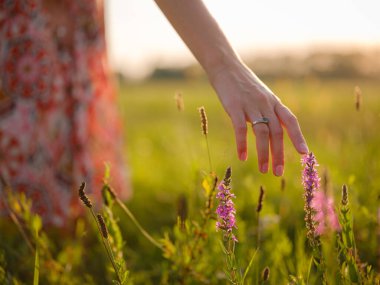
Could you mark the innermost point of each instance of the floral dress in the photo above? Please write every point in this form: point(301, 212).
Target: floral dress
point(58, 115)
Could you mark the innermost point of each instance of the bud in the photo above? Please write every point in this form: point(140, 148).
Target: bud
point(344, 195)
point(203, 115)
point(265, 274)
point(83, 195)
point(179, 101)
point(102, 224)
point(260, 202)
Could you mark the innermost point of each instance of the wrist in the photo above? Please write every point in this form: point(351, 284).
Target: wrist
point(220, 61)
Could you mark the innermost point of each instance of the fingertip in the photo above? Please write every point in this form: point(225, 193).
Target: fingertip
point(303, 148)
point(279, 170)
point(264, 168)
point(243, 155)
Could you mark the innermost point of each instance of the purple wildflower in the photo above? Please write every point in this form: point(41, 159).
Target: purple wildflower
point(325, 215)
point(310, 178)
point(226, 208)
point(310, 182)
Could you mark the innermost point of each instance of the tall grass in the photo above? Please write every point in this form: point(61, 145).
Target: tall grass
point(341, 136)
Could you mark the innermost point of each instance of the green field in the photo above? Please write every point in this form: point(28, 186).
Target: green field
point(167, 157)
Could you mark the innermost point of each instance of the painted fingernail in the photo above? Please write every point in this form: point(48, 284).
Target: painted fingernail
point(243, 156)
point(279, 170)
point(264, 168)
point(303, 148)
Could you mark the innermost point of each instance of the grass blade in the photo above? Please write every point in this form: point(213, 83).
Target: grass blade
point(249, 266)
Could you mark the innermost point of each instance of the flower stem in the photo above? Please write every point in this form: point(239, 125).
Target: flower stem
point(137, 224)
point(107, 247)
point(209, 154)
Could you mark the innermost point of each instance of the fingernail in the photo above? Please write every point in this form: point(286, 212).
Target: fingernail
point(279, 170)
point(303, 148)
point(243, 156)
point(264, 168)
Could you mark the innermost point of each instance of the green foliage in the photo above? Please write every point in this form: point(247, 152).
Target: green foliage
point(187, 249)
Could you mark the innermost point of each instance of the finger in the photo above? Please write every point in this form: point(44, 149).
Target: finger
point(261, 132)
point(240, 128)
point(292, 127)
point(276, 145)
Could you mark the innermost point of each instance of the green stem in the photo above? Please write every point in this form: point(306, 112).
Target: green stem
point(309, 269)
point(36, 263)
point(209, 154)
point(137, 224)
point(107, 247)
point(231, 260)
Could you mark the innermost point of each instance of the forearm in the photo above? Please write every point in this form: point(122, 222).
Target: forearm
point(200, 32)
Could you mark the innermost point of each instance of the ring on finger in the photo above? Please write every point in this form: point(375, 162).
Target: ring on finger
point(262, 120)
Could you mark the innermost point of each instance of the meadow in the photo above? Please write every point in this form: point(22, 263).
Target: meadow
point(170, 175)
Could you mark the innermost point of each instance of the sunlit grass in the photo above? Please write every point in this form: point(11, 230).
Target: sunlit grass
point(168, 159)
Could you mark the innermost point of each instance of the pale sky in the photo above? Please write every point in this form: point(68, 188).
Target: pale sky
point(139, 36)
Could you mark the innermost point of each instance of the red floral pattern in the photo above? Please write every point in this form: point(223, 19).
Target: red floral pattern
point(58, 118)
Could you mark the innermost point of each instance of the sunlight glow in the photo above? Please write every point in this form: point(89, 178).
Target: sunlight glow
point(139, 36)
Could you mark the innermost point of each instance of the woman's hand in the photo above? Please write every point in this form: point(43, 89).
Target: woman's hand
point(243, 95)
point(246, 99)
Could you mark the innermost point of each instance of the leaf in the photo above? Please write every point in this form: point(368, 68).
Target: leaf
point(168, 247)
point(223, 247)
point(36, 264)
point(207, 185)
point(249, 266)
point(353, 272)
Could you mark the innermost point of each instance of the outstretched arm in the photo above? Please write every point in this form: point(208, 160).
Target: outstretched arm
point(243, 95)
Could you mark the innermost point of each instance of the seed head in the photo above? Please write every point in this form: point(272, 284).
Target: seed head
point(344, 195)
point(265, 274)
point(202, 113)
point(102, 224)
point(182, 210)
point(83, 196)
point(179, 101)
point(260, 202)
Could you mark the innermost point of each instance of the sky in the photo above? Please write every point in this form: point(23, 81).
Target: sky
point(139, 36)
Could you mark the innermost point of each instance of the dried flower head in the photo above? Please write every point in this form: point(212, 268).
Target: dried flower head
point(265, 274)
point(226, 208)
point(202, 113)
point(260, 201)
point(102, 224)
point(344, 195)
point(358, 97)
point(182, 210)
point(83, 195)
point(179, 101)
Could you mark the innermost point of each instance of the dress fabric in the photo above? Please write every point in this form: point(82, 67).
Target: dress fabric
point(58, 114)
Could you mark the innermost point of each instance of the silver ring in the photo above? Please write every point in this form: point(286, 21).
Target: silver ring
point(263, 120)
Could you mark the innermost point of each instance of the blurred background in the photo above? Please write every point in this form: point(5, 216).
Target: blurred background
point(324, 38)
point(322, 58)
